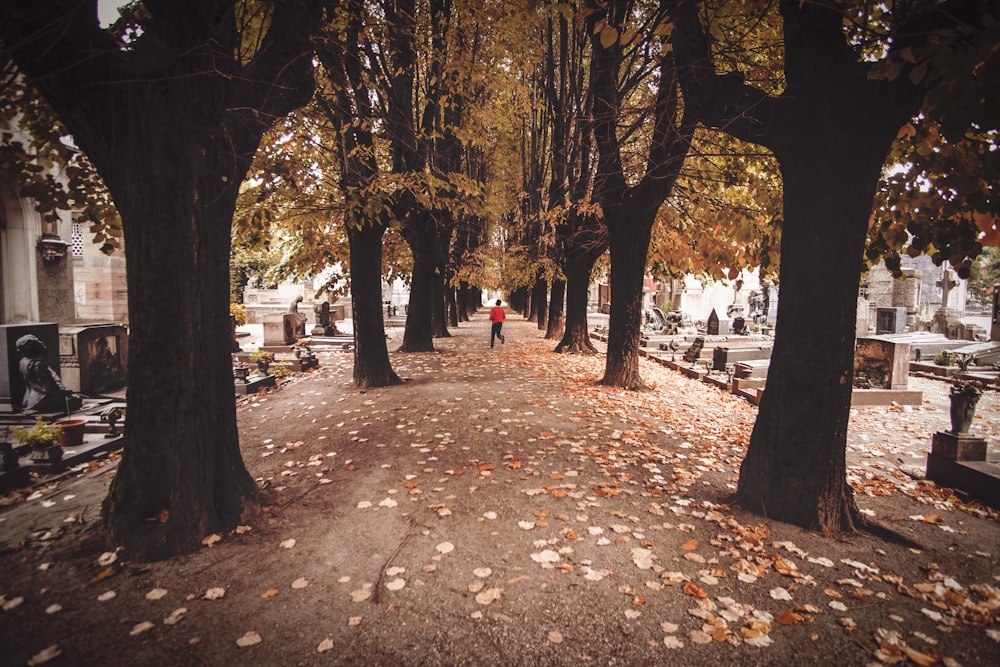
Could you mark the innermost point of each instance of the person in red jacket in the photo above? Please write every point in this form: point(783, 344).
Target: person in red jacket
point(497, 317)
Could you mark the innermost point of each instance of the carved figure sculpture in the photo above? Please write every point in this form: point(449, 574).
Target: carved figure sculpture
point(44, 390)
point(300, 319)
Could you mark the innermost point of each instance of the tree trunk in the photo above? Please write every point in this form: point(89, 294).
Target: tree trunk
point(795, 468)
point(540, 297)
point(556, 310)
point(181, 475)
point(628, 266)
point(439, 303)
point(462, 299)
point(418, 333)
point(518, 300)
point(576, 338)
point(371, 354)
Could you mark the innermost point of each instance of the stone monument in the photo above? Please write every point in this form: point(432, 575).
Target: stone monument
point(44, 390)
point(324, 322)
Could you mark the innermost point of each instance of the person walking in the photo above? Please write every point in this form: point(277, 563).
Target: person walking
point(497, 317)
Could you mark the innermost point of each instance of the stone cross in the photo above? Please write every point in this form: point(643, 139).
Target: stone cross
point(946, 283)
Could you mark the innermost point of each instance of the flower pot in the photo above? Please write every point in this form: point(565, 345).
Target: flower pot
point(70, 431)
point(963, 409)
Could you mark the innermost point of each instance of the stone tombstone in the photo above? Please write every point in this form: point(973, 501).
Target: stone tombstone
point(692, 353)
point(94, 357)
point(324, 324)
point(712, 326)
point(279, 329)
point(881, 363)
point(890, 320)
point(11, 385)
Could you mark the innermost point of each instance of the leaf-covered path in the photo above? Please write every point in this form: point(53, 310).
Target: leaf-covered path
point(502, 508)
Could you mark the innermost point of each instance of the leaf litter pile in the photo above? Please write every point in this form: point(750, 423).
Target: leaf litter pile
point(502, 508)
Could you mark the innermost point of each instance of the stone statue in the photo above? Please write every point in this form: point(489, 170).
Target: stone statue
point(44, 390)
point(300, 319)
point(324, 324)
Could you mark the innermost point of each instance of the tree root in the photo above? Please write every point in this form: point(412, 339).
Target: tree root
point(864, 525)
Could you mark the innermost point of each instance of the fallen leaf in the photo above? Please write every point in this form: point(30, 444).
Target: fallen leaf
point(361, 594)
point(690, 545)
point(249, 639)
point(269, 593)
point(354, 620)
point(216, 593)
point(53, 609)
point(211, 539)
point(102, 575)
point(301, 582)
point(780, 594)
point(396, 584)
point(45, 655)
point(672, 642)
point(325, 645)
point(545, 556)
point(488, 596)
point(175, 616)
point(445, 548)
point(632, 613)
point(669, 628)
point(106, 595)
point(107, 558)
point(692, 589)
point(156, 594)
point(287, 544)
point(482, 572)
point(139, 628)
point(555, 637)
point(699, 637)
point(789, 617)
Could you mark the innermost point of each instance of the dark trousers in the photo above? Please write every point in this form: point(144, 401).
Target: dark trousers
point(495, 332)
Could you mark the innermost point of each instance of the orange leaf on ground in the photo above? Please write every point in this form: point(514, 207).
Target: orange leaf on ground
point(690, 545)
point(269, 593)
point(690, 588)
point(789, 617)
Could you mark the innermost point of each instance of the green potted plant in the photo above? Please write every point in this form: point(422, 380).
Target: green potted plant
point(263, 359)
point(43, 440)
point(964, 395)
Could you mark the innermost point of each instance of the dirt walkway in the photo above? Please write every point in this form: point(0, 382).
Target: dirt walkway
point(500, 508)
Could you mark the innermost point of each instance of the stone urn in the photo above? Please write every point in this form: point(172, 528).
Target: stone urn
point(964, 397)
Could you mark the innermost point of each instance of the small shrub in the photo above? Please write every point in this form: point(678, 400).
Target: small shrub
point(240, 312)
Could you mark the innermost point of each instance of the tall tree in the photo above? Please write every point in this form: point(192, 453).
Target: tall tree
point(830, 129)
point(350, 110)
point(171, 118)
point(629, 211)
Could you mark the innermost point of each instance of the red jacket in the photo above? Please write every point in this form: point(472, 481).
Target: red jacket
point(497, 314)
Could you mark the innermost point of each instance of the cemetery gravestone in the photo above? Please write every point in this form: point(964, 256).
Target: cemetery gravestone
point(11, 384)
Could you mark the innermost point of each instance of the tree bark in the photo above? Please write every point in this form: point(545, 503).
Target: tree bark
point(539, 300)
point(628, 266)
point(556, 310)
point(371, 354)
point(418, 333)
point(172, 127)
point(576, 338)
point(830, 131)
